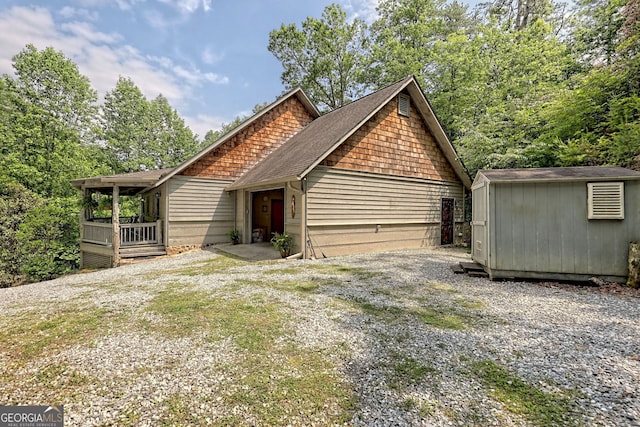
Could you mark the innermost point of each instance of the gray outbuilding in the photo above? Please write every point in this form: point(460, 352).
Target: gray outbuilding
point(555, 223)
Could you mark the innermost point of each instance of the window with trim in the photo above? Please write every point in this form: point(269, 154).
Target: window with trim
point(404, 104)
point(605, 200)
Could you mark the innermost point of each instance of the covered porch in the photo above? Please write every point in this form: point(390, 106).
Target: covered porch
point(121, 217)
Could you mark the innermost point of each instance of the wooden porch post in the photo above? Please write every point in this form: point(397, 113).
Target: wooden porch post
point(115, 220)
point(83, 215)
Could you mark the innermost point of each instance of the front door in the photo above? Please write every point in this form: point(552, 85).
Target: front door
point(446, 227)
point(277, 216)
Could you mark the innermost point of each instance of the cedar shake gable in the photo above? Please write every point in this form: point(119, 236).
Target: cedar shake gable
point(325, 135)
point(253, 140)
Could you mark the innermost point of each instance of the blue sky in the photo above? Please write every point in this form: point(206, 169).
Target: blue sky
point(209, 58)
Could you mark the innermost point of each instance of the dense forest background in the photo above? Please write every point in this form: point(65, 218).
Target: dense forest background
point(515, 83)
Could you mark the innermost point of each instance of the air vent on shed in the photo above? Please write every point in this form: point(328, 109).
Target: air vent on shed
point(404, 103)
point(605, 200)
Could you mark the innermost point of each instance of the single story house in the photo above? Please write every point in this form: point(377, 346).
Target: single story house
point(376, 174)
point(569, 223)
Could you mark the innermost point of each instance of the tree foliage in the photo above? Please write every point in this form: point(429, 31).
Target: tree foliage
point(515, 83)
point(141, 134)
point(52, 132)
point(325, 56)
point(51, 109)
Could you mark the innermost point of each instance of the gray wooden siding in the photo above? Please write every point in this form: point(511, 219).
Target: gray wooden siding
point(200, 211)
point(543, 227)
point(351, 212)
point(293, 223)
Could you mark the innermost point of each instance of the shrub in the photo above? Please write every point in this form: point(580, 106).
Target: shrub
point(15, 203)
point(48, 240)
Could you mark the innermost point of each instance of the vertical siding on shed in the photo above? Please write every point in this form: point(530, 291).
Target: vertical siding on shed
point(543, 227)
point(351, 212)
point(200, 211)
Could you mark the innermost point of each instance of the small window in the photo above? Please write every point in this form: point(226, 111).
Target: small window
point(605, 200)
point(404, 102)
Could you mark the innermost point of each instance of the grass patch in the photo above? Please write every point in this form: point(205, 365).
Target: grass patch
point(442, 287)
point(303, 286)
point(470, 304)
point(51, 329)
point(519, 397)
point(185, 312)
point(379, 310)
point(288, 386)
point(274, 381)
point(410, 371)
point(359, 273)
point(217, 265)
point(441, 318)
point(438, 317)
point(220, 264)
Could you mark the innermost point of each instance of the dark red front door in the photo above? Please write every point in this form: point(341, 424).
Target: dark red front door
point(446, 227)
point(277, 216)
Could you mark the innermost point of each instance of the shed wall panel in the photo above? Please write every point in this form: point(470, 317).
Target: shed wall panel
point(543, 227)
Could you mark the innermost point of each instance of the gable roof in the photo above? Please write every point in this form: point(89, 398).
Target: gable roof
point(577, 173)
point(297, 92)
point(305, 150)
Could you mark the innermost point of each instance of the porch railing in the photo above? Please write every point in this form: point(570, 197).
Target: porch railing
point(146, 233)
point(97, 232)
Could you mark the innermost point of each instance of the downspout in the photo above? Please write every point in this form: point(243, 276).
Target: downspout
point(303, 186)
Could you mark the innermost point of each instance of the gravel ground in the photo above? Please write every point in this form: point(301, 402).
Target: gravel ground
point(557, 338)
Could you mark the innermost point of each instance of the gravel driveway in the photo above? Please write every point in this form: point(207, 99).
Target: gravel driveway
point(398, 330)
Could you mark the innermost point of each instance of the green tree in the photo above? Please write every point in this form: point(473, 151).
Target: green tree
point(142, 134)
point(596, 120)
point(596, 30)
point(125, 124)
point(325, 57)
point(171, 141)
point(51, 111)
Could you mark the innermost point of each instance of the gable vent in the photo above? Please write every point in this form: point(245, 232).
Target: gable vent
point(605, 200)
point(404, 103)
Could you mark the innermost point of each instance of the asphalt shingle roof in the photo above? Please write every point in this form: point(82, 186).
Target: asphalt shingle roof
point(566, 173)
point(312, 144)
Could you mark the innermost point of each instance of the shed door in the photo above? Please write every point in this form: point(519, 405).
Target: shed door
point(446, 226)
point(479, 225)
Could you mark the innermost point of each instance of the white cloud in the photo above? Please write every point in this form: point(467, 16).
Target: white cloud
point(85, 31)
point(209, 57)
point(362, 9)
point(192, 74)
point(188, 6)
point(71, 12)
point(202, 123)
point(102, 57)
